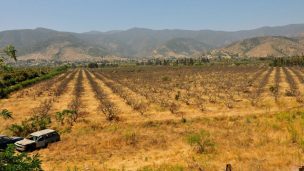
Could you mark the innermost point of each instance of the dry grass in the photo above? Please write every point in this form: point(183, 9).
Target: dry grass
point(273, 142)
point(262, 137)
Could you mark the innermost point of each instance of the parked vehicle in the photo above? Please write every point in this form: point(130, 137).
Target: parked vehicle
point(36, 140)
point(5, 140)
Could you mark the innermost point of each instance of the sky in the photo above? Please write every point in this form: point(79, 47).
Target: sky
point(106, 15)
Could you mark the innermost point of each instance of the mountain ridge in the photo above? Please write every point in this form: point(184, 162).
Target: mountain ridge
point(134, 42)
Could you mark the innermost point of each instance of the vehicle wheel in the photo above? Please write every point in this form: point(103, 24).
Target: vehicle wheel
point(31, 149)
point(45, 146)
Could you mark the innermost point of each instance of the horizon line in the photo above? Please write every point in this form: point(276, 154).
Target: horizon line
point(136, 27)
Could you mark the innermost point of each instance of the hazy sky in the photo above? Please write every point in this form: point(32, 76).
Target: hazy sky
point(104, 15)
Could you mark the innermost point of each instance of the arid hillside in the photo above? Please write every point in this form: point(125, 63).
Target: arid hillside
point(58, 51)
point(181, 47)
point(275, 46)
point(49, 44)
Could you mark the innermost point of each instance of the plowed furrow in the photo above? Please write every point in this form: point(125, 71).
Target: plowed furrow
point(106, 106)
point(262, 84)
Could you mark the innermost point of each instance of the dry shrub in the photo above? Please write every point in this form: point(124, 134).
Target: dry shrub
point(140, 107)
point(174, 108)
point(110, 111)
point(131, 138)
point(158, 141)
point(291, 93)
point(299, 99)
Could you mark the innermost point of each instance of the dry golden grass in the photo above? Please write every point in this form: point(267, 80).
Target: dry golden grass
point(269, 136)
point(273, 142)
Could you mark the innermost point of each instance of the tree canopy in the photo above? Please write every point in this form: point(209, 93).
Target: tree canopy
point(9, 160)
point(8, 52)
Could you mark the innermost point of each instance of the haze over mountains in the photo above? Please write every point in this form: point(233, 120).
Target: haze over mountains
point(49, 44)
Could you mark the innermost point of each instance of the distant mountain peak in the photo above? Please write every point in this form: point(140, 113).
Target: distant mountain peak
point(93, 32)
point(43, 29)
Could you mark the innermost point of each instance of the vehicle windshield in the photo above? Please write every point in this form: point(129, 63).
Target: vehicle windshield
point(32, 138)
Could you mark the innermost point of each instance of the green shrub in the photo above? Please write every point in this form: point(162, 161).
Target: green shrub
point(194, 139)
point(35, 123)
point(6, 114)
point(11, 161)
point(66, 116)
point(201, 142)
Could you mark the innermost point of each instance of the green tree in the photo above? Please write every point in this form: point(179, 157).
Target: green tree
point(11, 161)
point(93, 65)
point(8, 52)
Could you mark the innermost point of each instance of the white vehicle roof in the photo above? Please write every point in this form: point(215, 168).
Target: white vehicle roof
point(42, 132)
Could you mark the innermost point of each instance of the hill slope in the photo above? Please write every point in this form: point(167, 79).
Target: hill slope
point(266, 46)
point(181, 47)
point(49, 44)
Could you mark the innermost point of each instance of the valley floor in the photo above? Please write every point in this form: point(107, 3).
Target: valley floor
point(171, 118)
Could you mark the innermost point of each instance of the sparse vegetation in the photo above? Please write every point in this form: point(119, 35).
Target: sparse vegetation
point(192, 115)
point(106, 106)
point(39, 120)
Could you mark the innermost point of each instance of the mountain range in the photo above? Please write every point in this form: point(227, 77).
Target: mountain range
point(42, 43)
point(267, 46)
